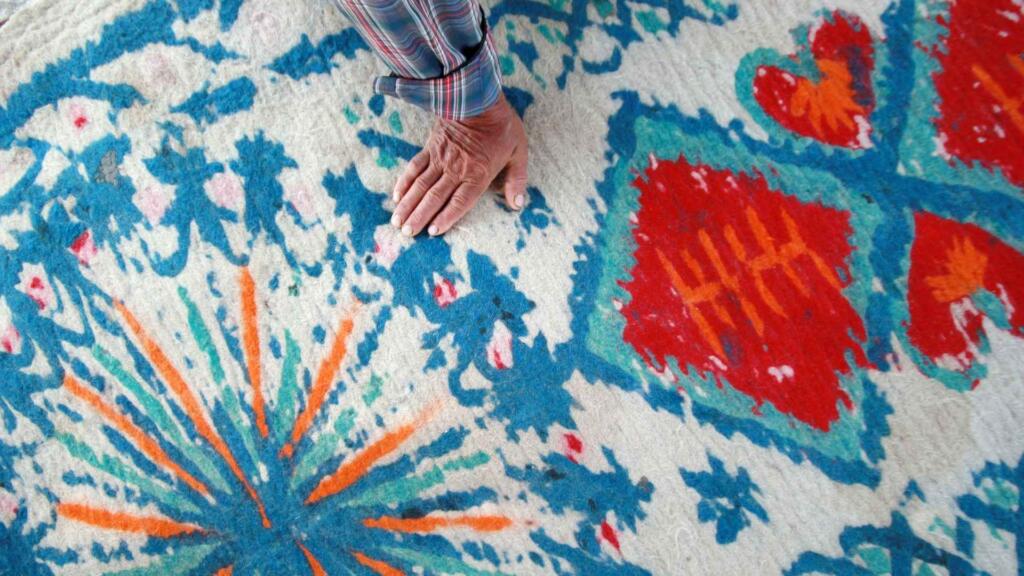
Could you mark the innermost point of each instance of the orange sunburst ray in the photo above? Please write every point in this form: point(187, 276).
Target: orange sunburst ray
point(322, 385)
point(434, 523)
point(153, 526)
point(379, 567)
point(225, 571)
point(314, 564)
point(251, 345)
point(146, 444)
point(352, 469)
point(189, 402)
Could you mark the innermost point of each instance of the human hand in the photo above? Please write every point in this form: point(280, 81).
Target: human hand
point(459, 162)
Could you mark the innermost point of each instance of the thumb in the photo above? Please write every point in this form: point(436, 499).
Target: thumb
point(515, 179)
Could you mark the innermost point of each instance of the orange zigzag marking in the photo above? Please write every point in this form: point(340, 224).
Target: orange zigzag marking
point(434, 523)
point(225, 571)
point(152, 526)
point(142, 441)
point(189, 402)
point(321, 386)
point(251, 344)
point(380, 567)
point(314, 564)
point(352, 469)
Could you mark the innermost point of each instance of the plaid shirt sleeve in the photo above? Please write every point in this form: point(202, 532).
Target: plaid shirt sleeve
point(439, 52)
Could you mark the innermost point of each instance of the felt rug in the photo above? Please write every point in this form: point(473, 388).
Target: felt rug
point(763, 312)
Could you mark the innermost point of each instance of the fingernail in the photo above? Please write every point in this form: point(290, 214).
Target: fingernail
point(395, 220)
point(394, 196)
point(520, 201)
point(432, 230)
point(407, 230)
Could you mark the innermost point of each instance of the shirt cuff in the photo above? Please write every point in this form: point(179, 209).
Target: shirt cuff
point(465, 92)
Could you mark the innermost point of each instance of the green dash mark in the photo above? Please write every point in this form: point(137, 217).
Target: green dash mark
point(155, 411)
point(238, 419)
point(401, 490)
point(124, 472)
point(406, 489)
point(182, 561)
point(350, 115)
point(284, 414)
point(386, 160)
point(373, 389)
point(395, 121)
point(650, 21)
point(438, 564)
point(467, 462)
point(324, 447)
point(508, 65)
point(875, 559)
point(201, 334)
point(1001, 495)
point(604, 7)
point(546, 33)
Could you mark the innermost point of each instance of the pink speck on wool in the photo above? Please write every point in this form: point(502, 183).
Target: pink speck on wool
point(84, 248)
point(499, 350)
point(153, 203)
point(226, 191)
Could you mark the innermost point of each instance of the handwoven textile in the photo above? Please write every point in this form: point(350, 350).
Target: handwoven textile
point(763, 312)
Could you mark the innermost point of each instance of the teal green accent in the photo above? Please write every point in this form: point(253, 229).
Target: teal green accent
point(373, 390)
point(155, 411)
point(558, 4)
point(991, 306)
point(438, 564)
point(1002, 495)
point(395, 121)
point(942, 526)
point(405, 489)
point(467, 462)
point(202, 336)
point(650, 21)
point(925, 570)
point(401, 490)
point(323, 449)
point(183, 561)
point(508, 65)
point(546, 33)
point(875, 559)
point(386, 160)
point(604, 7)
point(350, 115)
point(561, 36)
point(238, 420)
point(284, 413)
point(126, 473)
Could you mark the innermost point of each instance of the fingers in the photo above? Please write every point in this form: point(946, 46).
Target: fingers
point(412, 198)
point(515, 179)
point(415, 167)
point(462, 200)
point(430, 205)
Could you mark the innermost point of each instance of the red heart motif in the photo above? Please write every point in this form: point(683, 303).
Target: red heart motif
point(834, 108)
point(980, 86)
point(951, 263)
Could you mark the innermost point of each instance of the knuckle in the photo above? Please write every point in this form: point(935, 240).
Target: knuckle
point(459, 202)
point(438, 193)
